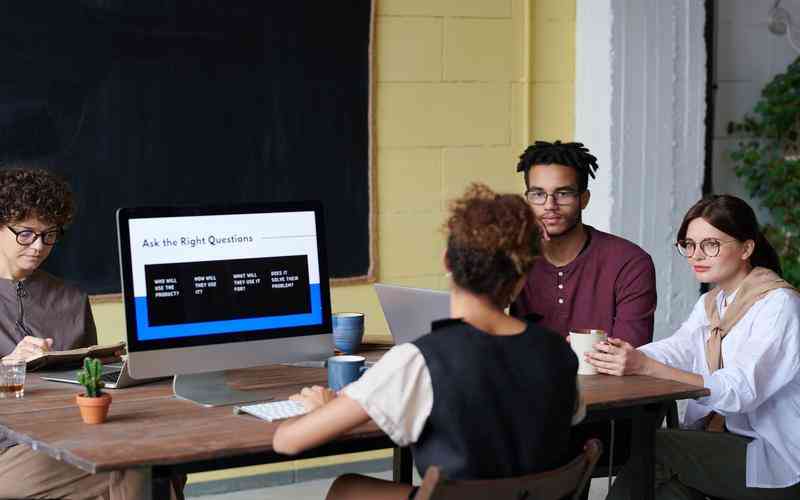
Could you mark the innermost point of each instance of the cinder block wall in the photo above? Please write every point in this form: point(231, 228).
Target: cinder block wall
point(462, 87)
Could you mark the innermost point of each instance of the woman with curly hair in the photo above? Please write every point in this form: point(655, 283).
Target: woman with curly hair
point(40, 312)
point(484, 395)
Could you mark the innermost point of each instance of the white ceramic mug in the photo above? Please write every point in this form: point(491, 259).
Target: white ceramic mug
point(583, 341)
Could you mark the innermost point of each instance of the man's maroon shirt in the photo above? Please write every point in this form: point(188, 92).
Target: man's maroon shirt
point(611, 286)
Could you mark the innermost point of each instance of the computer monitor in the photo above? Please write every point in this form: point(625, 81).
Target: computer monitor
point(215, 288)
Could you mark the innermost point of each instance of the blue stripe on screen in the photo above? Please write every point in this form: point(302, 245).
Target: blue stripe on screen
point(146, 332)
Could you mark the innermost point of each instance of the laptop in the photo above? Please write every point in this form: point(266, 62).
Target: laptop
point(410, 311)
point(115, 376)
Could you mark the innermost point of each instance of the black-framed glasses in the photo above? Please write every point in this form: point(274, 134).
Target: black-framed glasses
point(27, 237)
point(709, 246)
point(561, 197)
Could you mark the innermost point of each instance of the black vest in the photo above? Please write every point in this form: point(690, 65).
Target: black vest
point(502, 405)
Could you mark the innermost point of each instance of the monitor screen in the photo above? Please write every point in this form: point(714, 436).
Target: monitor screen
point(215, 276)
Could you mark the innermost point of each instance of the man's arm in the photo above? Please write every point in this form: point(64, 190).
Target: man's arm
point(635, 292)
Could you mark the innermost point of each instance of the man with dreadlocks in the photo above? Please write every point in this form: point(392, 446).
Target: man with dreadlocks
point(586, 278)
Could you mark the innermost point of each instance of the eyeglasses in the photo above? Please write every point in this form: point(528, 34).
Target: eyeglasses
point(561, 197)
point(709, 246)
point(27, 237)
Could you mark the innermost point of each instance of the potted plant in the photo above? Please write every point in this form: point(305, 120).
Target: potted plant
point(94, 403)
point(768, 159)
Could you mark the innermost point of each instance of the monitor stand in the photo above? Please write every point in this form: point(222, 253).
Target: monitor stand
point(211, 389)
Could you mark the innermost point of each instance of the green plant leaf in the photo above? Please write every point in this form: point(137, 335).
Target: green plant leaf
point(769, 175)
point(90, 377)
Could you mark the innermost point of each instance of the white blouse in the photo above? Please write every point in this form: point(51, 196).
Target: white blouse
point(397, 394)
point(758, 387)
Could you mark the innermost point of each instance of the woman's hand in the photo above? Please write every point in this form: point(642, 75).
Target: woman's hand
point(542, 230)
point(313, 397)
point(617, 357)
point(30, 347)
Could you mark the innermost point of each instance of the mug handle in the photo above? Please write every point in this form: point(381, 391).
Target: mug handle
point(362, 369)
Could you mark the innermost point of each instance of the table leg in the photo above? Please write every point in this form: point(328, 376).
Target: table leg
point(645, 424)
point(403, 463)
point(147, 477)
point(160, 483)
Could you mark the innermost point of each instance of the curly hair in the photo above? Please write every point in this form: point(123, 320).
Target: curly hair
point(569, 154)
point(492, 240)
point(34, 192)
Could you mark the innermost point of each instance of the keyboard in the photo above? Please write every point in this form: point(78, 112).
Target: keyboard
point(277, 410)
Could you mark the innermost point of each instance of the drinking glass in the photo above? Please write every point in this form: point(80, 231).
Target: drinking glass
point(12, 378)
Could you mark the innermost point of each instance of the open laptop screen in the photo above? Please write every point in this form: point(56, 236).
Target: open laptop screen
point(410, 311)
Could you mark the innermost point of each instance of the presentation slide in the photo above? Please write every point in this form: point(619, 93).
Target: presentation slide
point(224, 273)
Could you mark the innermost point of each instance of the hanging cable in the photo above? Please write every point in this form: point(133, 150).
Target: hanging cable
point(791, 38)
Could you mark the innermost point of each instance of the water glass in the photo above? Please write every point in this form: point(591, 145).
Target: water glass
point(12, 378)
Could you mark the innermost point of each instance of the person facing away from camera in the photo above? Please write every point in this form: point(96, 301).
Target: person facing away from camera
point(484, 395)
point(741, 342)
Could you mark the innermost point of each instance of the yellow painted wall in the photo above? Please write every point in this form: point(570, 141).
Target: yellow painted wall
point(462, 87)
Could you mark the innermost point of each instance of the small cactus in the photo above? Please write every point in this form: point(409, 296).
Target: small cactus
point(89, 377)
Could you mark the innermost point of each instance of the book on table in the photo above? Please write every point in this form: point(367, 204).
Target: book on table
point(74, 357)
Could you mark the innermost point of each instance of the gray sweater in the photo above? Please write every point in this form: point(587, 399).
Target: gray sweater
point(44, 306)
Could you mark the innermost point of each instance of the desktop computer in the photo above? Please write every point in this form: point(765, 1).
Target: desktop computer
point(215, 288)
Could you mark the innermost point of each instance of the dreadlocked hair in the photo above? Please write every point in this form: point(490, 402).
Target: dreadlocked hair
point(492, 240)
point(570, 154)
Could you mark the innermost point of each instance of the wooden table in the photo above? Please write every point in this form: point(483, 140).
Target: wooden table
point(644, 400)
point(148, 428)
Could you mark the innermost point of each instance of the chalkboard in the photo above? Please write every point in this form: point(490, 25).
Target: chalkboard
point(171, 102)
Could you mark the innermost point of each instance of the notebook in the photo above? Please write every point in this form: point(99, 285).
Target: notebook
point(410, 311)
point(115, 376)
point(74, 357)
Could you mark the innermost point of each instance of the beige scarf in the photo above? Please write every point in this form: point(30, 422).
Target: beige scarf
point(759, 282)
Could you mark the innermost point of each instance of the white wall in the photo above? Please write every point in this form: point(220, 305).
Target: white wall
point(644, 60)
point(593, 93)
point(747, 56)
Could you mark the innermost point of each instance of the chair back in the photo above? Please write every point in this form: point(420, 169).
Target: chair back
point(567, 482)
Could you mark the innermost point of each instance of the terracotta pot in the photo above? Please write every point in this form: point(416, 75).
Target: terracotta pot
point(94, 410)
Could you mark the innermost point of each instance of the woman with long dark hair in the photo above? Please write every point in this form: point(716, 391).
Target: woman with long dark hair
point(742, 342)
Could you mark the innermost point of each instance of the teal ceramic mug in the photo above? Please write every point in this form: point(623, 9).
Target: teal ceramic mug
point(348, 330)
point(343, 370)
